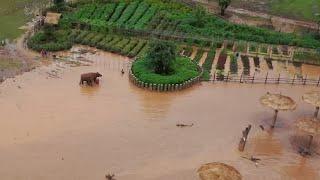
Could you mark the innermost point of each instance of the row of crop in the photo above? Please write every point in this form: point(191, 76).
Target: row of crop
point(207, 65)
point(246, 64)
point(222, 61)
point(127, 13)
point(198, 55)
point(118, 12)
point(140, 11)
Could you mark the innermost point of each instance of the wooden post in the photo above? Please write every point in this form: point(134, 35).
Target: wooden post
point(228, 76)
point(254, 74)
point(318, 81)
point(241, 78)
point(244, 138)
point(214, 76)
point(279, 79)
point(316, 112)
point(265, 82)
point(274, 118)
point(294, 76)
point(305, 80)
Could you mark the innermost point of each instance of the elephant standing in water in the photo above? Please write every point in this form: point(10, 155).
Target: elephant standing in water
point(90, 78)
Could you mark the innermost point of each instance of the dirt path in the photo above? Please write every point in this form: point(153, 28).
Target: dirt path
point(279, 23)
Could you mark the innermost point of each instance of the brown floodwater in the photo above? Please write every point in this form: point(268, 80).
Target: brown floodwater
point(52, 128)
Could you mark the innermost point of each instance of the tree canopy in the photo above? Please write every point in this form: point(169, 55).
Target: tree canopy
point(223, 5)
point(161, 55)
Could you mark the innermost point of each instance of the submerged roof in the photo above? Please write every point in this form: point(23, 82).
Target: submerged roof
point(52, 18)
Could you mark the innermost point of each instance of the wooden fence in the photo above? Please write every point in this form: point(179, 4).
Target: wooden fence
point(265, 80)
point(165, 87)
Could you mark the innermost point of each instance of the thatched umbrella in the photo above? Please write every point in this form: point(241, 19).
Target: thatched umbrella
point(311, 126)
point(278, 102)
point(218, 171)
point(313, 98)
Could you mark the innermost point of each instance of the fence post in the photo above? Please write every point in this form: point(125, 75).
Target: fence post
point(241, 78)
point(265, 81)
point(254, 74)
point(228, 76)
point(214, 76)
point(318, 81)
point(305, 80)
point(279, 79)
point(294, 76)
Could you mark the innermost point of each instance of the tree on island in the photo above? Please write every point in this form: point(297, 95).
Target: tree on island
point(161, 55)
point(58, 2)
point(224, 5)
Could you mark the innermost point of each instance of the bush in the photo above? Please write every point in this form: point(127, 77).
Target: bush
point(58, 40)
point(183, 68)
point(161, 55)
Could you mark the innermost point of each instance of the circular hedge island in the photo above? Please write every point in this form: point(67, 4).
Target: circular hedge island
point(163, 70)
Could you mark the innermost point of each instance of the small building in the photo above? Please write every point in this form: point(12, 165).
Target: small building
point(52, 18)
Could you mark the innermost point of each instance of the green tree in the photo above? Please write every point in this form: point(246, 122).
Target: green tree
point(200, 15)
point(58, 2)
point(161, 55)
point(224, 5)
point(317, 18)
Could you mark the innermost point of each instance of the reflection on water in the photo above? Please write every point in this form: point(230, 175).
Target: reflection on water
point(300, 171)
point(266, 144)
point(51, 130)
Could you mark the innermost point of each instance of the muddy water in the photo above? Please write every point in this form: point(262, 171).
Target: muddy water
point(52, 128)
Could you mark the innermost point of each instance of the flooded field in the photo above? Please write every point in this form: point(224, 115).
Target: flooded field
point(52, 128)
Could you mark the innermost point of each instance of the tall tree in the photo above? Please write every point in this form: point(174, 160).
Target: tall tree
point(224, 5)
point(317, 18)
point(161, 55)
point(58, 2)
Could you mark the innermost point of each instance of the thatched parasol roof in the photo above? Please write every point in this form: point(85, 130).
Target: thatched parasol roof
point(309, 125)
point(52, 18)
point(312, 97)
point(278, 102)
point(218, 171)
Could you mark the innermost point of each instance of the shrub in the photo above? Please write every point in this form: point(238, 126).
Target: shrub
point(161, 55)
point(183, 68)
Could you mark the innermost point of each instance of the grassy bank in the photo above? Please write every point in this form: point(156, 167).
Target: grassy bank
point(296, 9)
point(12, 16)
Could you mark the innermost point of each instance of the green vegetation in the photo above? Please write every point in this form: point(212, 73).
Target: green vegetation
point(233, 64)
point(198, 55)
point(207, 65)
point(296, 8)
point(161, 55)
point(307, 57)
point(184, 70)
point(9, 64)
point(12, 16)
point(223, 6)
point(126, 26)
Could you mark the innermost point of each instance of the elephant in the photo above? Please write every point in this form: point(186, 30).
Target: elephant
point(90, 78)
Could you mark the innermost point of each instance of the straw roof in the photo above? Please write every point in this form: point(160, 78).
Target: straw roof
point(278, 102)
point(218, 171)
point(309, 125)
point(312, 97)
point(52, 18)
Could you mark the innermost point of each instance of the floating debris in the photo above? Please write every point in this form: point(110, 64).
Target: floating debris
point(184, 125)
point(110, 177)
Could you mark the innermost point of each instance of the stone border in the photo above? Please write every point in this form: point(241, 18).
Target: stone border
point(165, 87)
